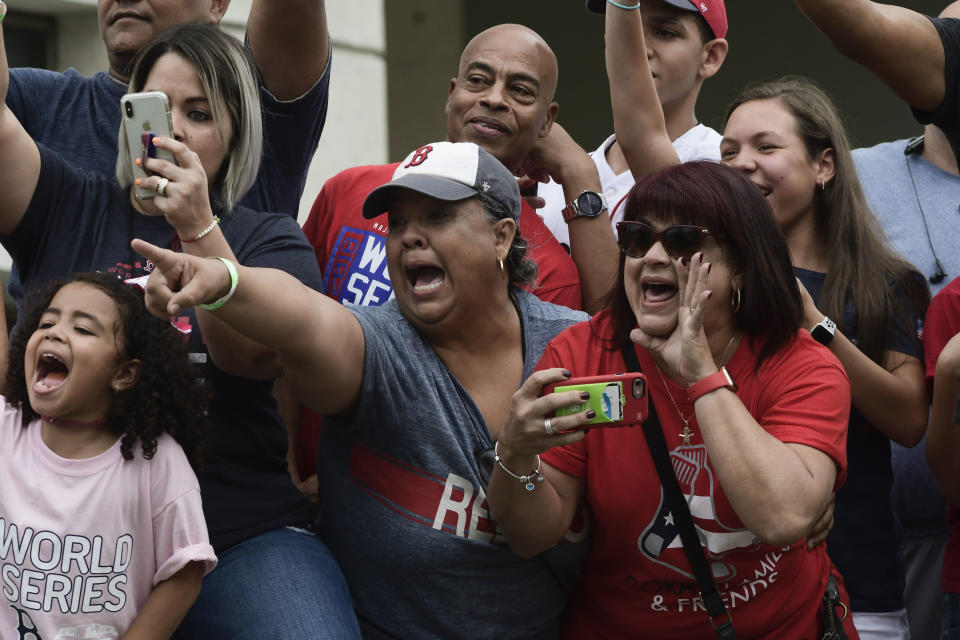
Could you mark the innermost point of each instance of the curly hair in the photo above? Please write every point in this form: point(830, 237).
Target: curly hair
point(168, 397)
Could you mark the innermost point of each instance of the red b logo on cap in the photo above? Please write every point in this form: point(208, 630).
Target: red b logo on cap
point(419, 157)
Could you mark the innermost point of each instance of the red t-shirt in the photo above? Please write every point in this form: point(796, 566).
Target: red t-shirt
point(941, 324)
point(351, 252)
point(636, 577)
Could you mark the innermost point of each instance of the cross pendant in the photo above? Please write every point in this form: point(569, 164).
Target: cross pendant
point(686, 435)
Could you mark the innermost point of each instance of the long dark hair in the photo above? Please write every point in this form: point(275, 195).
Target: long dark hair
point(167, 398)
point(719, 199)
point(860, 267)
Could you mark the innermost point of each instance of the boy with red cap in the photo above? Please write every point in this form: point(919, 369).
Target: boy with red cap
point(685, 46)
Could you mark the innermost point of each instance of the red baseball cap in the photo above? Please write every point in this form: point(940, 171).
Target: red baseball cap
point(712, 11)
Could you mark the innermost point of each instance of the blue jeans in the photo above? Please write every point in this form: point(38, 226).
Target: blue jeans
point(280, 584)
point(951, 617)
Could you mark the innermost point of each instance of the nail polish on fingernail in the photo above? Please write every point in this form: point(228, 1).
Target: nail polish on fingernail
point(137, 182)
point(709, 266)
point(684, 261)
point(584, 395)
point(709, 294)
point(566, 374)
point(137, 162)
point(591, 414)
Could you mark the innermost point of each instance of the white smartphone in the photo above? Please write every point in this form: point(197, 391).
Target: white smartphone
point(145, 115)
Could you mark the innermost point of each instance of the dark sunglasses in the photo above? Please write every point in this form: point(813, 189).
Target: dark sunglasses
point(679, 241)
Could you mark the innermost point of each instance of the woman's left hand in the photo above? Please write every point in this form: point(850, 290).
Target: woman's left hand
point(184, 197)
point(685, 352)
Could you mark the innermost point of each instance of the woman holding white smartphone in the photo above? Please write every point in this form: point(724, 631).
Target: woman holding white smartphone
point(275, 579)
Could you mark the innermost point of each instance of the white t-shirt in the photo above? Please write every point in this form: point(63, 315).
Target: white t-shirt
point(83, 542)
point(699, 143)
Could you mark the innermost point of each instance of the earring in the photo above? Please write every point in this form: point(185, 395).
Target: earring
point(500, 263)
point(735, 300)
point(822, 184)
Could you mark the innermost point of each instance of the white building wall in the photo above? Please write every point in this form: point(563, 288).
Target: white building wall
point(356, 129)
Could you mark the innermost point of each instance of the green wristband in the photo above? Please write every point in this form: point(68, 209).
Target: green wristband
point(234, 280)
point(3, 10)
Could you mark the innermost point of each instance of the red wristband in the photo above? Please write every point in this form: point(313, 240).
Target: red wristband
point(710, 383)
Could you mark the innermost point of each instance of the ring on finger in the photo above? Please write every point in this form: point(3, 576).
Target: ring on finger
point(162, 186)
point(548, 427)
point(693, 309)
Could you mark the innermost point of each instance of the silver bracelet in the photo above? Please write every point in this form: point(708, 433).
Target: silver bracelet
point(528, 479)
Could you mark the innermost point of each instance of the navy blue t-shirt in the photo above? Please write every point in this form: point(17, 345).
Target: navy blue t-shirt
point(79, 118)
point(864, 543)
point(84, 222)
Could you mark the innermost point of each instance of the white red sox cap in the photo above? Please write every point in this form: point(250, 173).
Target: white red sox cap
point(448, 171)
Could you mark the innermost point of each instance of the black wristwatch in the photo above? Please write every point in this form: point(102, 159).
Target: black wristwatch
point(588, 204)
point(824, 331)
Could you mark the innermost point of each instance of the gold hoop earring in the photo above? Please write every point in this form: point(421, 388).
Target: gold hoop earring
point(502, 271)
point(735, 300)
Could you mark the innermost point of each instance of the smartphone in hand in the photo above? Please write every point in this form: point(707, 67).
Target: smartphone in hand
point(619, 400)
point(146, 115)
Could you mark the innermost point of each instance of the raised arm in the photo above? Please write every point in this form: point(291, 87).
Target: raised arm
point(290, 44)
point(638, 119)
point(320, 344)
point(900, 46)
point(890, 395)
point(592, 245)
point(19, 156)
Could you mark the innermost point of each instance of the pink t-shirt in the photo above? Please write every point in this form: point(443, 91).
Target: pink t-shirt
point(83, 542)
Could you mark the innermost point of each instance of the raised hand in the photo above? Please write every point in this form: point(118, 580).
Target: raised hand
point(183, 196)
point(685, 352)
point(525, 433)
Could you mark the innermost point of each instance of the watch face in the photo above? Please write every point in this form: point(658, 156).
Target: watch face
point(590, 203)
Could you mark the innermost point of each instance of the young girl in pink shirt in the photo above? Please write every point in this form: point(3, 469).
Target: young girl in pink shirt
point(102, 535)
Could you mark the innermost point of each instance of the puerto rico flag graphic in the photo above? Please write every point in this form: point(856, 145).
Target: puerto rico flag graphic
point(660, 540)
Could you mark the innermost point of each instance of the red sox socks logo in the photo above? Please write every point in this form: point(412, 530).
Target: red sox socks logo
point(419, 157)
point(660, 540)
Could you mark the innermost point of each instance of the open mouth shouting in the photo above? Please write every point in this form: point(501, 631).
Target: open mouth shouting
point(51, 373)
point(425, 279)
point(656, 292)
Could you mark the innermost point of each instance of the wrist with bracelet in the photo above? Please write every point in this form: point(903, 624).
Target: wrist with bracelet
point(205, 232)
point(624, 6)
point(528, 479)
point(234, 281)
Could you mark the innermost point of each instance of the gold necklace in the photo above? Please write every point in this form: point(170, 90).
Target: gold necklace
point(687, 431)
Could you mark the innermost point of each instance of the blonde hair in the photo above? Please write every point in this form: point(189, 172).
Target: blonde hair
point(228, 77)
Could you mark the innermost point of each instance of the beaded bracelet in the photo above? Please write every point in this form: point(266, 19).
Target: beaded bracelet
point(234, 280)
point(216, 221)
point(527, 480)
point(623, 6)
